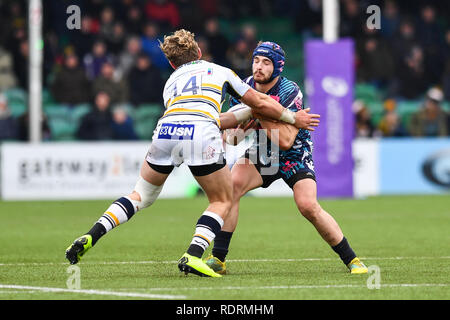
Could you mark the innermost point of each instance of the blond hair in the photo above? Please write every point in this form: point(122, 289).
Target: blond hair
point(180, 47)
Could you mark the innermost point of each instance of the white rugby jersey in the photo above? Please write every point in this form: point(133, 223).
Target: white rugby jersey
point(196, 91)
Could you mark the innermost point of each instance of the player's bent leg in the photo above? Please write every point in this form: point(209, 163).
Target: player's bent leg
point(215, 180)
point(245, 177)
point(147, 189)
point(218, 189)
point(149, 184)
point(305, 195)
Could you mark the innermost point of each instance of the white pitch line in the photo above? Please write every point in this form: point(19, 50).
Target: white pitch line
point(392, 285)
point(16, 291)
point(93, 292)
point(335, 259)
point(32, 289)
point(231, 260)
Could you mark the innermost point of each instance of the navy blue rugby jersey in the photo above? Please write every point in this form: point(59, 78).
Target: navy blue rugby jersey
point(289, 95)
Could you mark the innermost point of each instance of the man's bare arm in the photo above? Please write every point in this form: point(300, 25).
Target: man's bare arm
point(228, 120)
point(267, 107)
point(283, 134)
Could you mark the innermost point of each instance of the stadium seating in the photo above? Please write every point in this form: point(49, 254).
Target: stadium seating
point(367, 93)
point(79, 111)
point(64, 120)
point(17, 108)
point(376, 110)
point(145, 118)
point(17, 101)
point(16, 95)
point(59, 120)
point(47, 97)
point(62, 130)
point(373, 99)
point(406, 108)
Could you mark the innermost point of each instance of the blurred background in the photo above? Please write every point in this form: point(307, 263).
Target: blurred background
point(103, 82)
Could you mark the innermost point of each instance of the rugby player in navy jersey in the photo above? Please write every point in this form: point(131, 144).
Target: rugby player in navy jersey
point(291, 161)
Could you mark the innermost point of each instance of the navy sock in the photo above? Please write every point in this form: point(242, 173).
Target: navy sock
point(96, 232)
point(344, 251)
point(195, 250)
point(221, 244)
point(208, 225)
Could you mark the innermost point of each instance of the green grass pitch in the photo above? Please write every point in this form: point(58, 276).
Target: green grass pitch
point(275, 253)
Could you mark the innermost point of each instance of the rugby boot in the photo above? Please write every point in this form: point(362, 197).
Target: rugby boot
point(78, 248)
point(191, 264)
point(357, 267)
point(215, 264)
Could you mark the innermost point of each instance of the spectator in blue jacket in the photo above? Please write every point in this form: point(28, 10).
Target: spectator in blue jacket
point(122, 125)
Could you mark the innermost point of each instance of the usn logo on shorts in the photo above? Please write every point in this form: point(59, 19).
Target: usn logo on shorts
point(172, 131)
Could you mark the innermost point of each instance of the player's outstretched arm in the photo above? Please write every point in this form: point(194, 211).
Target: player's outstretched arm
point(266, 106)
point(229, 120)
point(236, 115)
point(283, 134)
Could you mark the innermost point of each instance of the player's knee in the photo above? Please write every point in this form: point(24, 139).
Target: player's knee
point(145, 193)
point(309, 208)
point(239, 186)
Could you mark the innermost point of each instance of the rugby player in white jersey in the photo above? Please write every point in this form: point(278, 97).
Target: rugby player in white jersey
point(189, 132)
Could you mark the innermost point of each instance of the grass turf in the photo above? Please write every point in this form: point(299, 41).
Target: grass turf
point(275, 253)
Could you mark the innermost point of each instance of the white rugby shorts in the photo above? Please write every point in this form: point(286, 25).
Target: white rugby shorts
point(194, 143)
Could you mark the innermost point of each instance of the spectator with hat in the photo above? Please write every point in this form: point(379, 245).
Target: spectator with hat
point(430, 120)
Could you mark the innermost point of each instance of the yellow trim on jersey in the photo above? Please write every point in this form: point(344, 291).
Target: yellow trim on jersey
point(198, 96)
point(192, 110)
point(211, 85)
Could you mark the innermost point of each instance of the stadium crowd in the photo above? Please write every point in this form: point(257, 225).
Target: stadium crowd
point(114, 59)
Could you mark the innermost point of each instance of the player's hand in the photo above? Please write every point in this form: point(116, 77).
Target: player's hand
point(250, 124)
point(306, 120)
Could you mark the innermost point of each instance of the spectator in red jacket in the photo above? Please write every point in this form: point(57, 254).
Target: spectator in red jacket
point(164, 12)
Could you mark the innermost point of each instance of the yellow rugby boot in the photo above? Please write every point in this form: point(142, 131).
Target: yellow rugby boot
point(78, 248)
point(215, 264)
point(357, 267)
point(191, 264)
